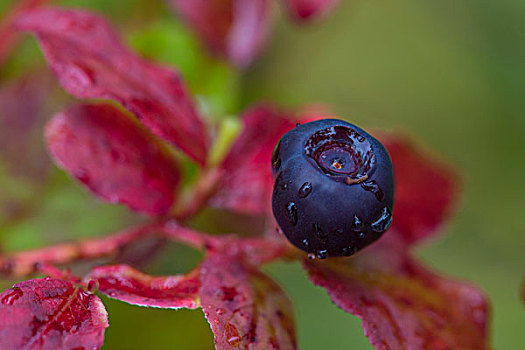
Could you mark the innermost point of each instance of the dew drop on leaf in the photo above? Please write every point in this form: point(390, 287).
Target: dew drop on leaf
point(12, 296)
point(232, 334)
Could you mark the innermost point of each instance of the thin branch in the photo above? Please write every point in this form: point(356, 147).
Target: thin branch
point(43, 260)
point(193, 202)
point(28, 262)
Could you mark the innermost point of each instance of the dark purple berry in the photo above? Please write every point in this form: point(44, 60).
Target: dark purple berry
point(334, 188)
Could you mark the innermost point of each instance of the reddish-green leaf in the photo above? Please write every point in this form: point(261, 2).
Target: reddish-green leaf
point(402, 304)
point(234, 28)
point(114, 156)
point(246, 309)
point(51, 314)
point(247, 182)
point(91, 62)
point(425, 190)
point(127, 284)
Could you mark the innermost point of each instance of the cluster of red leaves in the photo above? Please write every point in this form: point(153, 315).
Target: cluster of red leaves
point(118, 156)
point(237, 29)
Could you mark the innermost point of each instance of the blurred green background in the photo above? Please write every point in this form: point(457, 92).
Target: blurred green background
point(450, 73)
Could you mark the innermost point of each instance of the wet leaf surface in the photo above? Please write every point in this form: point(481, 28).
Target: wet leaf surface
point(115, 157)
point(404, 305)
point(124, 283)
point(235, 29)
point(91, 62)
point(51, 314)
point(245, 308)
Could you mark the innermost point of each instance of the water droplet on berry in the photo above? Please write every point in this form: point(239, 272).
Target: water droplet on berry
point(318, 232)
point(305, 190)
point(340, 231)
point(362, 235)
point(357, 224)
point(284, 186)
point(322, 254)
point(12, 296)
point(311, 256)
point(373, 187)
point(384, 221)
point(347, 251)
point(306, 243)
point(219, 311)
point(291, 212)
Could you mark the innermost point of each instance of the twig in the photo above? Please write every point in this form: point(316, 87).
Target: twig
point(28, 262)
point(193, 202)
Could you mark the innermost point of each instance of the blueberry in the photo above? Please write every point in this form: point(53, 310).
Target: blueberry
point(334, 188)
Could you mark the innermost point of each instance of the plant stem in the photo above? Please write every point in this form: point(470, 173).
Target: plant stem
point(39, 260)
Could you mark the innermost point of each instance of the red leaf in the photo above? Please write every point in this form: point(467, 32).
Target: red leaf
point(91, 62)
point(127, 284)
point(247, 183)
point(115, 157)
point(402, 304)
point(425, 190)
point(308, 9)
point(51, 314)
point(234, 28)
point(246, 309)
point(8, 36)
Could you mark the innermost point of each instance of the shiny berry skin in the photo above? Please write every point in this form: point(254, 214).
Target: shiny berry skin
point(334, 189)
